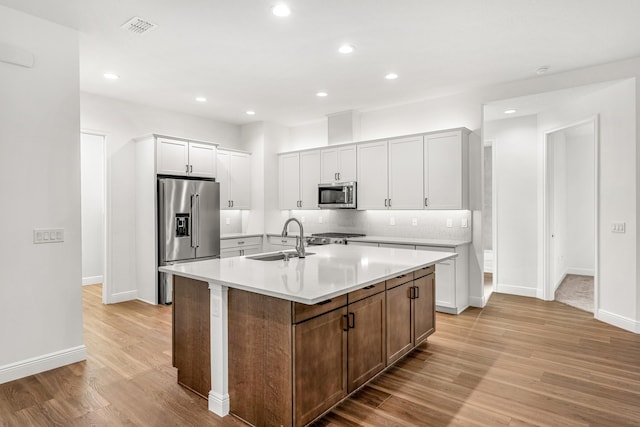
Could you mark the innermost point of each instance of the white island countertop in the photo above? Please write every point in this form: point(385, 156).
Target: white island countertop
point(331, 271)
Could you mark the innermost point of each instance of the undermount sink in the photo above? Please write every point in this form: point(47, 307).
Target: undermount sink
point(276, 256)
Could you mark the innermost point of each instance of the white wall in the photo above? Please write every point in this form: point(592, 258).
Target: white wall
point(92, 202)
point(580, 202)
point(41, 316)
point(516, 166)
point(121, 121)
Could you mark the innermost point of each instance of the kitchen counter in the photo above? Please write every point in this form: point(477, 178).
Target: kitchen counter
point(410, 241)
point(332, 270)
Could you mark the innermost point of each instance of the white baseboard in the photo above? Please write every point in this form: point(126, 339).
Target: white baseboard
point(92, 280)
point(477, 302)
point(38, 364)
point(581, 271)
point(618, 321)
point(516, 290)
point(122, 296)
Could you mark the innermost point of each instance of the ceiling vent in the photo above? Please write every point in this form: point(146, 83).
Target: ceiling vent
point(138, 25)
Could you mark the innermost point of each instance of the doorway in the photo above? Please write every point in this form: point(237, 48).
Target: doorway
point(571, 217)
point(92, 183)
point(488, 220)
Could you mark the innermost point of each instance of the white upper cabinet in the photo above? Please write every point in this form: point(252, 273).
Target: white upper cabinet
point(289, 181)
point(299, 176)
point(446, 170)
point(372, 176)
point(234, 175)
point(183, 158)
point(338, 164)
point(405, 173)
point(309, 179)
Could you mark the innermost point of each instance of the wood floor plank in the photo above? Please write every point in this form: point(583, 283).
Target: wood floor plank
point(518, 362)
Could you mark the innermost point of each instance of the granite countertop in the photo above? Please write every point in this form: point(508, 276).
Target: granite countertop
point(332, 271)
point(410, 241)
point(239, 235)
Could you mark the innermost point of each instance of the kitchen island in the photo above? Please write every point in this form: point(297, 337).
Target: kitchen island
point(281, 342)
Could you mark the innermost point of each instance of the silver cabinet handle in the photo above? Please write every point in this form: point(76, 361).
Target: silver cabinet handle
point(335, 176)
point(389, 202)
point(338, 176)
point(186, 169)
point(192, 219)
point(241, 243)
point(191, 168)
point(385, 203)
point(426, 201)
point(198, 220)
point(232, 203)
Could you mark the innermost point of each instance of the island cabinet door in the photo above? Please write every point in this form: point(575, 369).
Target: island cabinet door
point(423, 308)
point(320, 365)
point(399, 322)
point(367, 345)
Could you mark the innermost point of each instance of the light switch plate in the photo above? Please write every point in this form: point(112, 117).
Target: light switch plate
point(48, 235)
point(320, 219)
point(228, 221)
point(618, 227)
point(414, 221)
point(449, 223)
point(392, 221)
point(464, 223)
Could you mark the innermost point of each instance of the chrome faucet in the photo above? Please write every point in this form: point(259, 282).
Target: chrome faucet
point(299, 239)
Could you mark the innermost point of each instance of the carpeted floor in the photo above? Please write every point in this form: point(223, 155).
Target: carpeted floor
point(576, 291)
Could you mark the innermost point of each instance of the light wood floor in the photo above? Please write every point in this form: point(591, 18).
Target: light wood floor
point(518, 362)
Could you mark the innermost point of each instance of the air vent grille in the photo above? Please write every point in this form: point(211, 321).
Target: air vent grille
point(138, 25)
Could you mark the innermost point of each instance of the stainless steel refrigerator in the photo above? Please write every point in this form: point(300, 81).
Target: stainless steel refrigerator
point(188, 225)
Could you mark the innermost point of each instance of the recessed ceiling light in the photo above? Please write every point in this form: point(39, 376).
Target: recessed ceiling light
point(111, 76)
point(322, 94)
point(510, 111)
point(251, 113)
point(201, 99)
point(542, 70)
point(281, 10)
point(346, 48)
point(391, 76)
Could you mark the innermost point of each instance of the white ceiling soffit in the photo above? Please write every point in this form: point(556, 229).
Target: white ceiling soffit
point(241, 57)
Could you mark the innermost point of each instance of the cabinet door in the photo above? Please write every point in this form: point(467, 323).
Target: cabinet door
point(202, 160)
point(399, 329)
point(328, 165)
point(367, 346)
point(424, 317)
point(229, 253)
point(222, 166)
point(320, 370)
point(172, 157)
point(347, 163)
point(443, 171)
point(372, 175)
point(289, 180)
point(446, 284)
point(406, 181)
point(240, 180)
point(309, 179)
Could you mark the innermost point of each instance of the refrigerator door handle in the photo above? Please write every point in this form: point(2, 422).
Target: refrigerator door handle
point(192, 225)
point(198, 205)
point(195, 209)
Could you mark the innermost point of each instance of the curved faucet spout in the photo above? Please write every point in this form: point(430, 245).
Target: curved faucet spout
point(299, 239)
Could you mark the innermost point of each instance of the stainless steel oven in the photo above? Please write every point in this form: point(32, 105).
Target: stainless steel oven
point(337, 195)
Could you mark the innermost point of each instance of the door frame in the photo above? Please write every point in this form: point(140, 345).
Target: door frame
point(547, 285)
point(494, 215)
point(106, 219)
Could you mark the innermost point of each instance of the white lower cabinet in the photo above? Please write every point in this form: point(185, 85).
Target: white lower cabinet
point(452, 276)
point(278, 243)
point(240, 246)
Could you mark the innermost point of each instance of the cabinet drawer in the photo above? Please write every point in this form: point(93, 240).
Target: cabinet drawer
point(241, 241)
point(424, 271)
point(302, 312)
point(397, 281)
point(365, 292)
point(282, 241)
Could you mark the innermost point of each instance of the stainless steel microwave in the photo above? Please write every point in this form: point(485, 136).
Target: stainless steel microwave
point(337, 195)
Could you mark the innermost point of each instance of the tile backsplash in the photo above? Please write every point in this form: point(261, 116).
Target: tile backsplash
point(420, 224)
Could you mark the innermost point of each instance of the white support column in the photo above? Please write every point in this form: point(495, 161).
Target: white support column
point(219, 394)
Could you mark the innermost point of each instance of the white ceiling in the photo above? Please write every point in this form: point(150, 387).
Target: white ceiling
point(240, 56)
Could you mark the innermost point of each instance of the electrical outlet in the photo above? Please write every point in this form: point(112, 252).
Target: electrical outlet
point(464, 223)
point(414, 221)
point(392, 221)
point(618, 227)
point(449, 223)
point(301, 219)
point(320, 220)
point(227, 221)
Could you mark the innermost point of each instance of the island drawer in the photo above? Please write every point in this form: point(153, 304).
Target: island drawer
point(365, 292)
point(397, 281)
point(302, 312)
point(424, 271)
